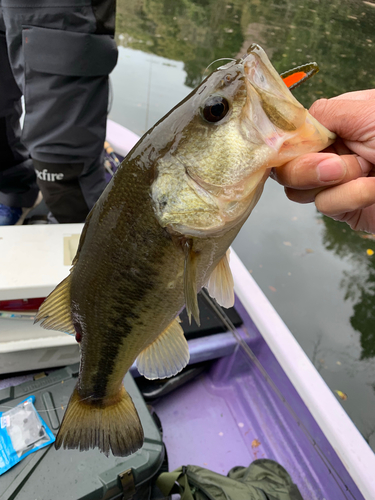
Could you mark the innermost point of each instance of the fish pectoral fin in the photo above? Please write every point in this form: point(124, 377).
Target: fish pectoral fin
point(55, 312)
point(220, 284)
point(166, 356)
point(190, 282)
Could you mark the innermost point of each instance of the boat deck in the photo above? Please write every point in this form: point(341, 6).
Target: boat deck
point(231, 415)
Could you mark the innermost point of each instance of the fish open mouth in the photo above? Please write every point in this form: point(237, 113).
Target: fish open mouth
point(278, 118)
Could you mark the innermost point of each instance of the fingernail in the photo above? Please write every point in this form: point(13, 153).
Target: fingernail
point(331, 169)
point(365, 165)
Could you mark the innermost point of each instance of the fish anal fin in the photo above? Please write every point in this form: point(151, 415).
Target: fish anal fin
point(220, 284)
point(190, 282)
point(55, 312)
point(166, 356)
point(112, 426)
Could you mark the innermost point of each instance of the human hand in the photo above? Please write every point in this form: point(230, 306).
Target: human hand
point(340, 180)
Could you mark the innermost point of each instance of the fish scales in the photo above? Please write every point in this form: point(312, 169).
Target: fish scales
point(161, 231)
point(127, 271)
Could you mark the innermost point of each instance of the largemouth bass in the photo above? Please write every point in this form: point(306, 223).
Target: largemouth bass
point(161, 231)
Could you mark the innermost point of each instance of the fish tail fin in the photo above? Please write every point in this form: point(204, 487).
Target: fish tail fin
point(111, 425)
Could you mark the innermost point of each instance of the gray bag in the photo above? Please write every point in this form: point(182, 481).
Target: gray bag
point(263, 480)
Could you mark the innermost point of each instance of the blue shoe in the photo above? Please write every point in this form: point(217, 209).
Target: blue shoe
point(12, 216)
point(9, 216)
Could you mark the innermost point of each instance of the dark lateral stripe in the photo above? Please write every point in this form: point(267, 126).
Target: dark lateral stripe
point(125, 314)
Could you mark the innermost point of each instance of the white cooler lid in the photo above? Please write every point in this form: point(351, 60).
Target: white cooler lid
point(35, 258)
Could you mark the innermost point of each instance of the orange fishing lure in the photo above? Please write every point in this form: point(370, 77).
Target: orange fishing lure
point(295, 76)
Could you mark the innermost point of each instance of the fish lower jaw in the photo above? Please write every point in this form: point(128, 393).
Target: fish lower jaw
point(311, 137)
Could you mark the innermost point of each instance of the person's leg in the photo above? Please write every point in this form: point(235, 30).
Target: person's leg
point(64, 73)
point(70, 189)
point(18, 188)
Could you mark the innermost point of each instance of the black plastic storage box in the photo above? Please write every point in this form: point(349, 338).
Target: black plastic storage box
point(48, 474)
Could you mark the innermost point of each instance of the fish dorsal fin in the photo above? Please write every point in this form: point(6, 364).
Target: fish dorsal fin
point(55, 312)
point(190, 282)
point(166, 356)
point(220, 284)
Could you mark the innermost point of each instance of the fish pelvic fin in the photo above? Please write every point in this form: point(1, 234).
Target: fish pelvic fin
point(112, 426)
point(190, 282)
point(55, 312)
point(166, 356)
point(220, 284)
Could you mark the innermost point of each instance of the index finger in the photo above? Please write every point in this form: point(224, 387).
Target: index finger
point(349, 119)
point(357, 95)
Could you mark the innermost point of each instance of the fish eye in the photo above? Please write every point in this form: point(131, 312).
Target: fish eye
point(215, 108)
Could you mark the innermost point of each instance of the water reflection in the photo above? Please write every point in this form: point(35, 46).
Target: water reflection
point(192, 31)
point(339, 35)
point(358, 283)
